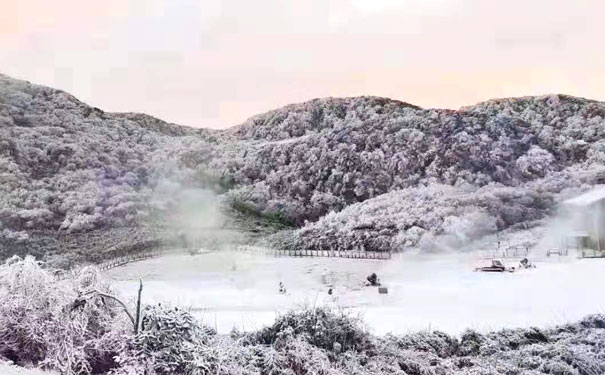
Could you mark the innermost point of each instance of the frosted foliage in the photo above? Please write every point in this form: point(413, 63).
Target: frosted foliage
point(321, 341)
point(41, 323)
point(378, 145)
point(536, 162)
point(402, 218)
point(597, 153)
point(67, 168)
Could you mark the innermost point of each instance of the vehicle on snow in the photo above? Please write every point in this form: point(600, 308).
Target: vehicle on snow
point(496, 265)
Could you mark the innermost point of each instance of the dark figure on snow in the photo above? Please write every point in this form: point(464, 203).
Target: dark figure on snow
point(524, 263)
point(373, 280)
point(282, 288)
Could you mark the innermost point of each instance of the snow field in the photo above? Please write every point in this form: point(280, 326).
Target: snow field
point(437, 292)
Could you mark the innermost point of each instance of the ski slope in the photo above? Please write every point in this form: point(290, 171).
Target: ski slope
point(438, 292)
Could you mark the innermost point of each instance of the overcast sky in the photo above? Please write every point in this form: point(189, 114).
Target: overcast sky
point(214, 63)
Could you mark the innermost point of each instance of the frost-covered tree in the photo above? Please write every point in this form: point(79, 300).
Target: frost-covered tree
point(68, 170)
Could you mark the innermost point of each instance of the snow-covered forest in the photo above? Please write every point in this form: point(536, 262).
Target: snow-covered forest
point(70, 169)
point(350, 173)
point(79, 184)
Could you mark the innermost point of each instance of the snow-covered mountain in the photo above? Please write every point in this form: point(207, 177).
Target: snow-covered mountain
point(351, 173)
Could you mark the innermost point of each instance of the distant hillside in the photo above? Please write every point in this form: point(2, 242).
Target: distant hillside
point(368, 150)
point(69, 169)
point(296, 120)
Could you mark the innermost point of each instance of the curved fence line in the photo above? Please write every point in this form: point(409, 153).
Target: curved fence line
point(350, 254)
point(155, 253)
point(125, 259)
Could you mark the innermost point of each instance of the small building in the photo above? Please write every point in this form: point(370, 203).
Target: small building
point(587, 220)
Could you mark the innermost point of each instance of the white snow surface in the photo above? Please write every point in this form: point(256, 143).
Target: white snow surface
point(434, 292)
point(7, 369)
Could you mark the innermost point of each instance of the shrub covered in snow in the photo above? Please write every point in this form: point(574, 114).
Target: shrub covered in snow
point(321, 327)
point(42, 323)
point(170, 341)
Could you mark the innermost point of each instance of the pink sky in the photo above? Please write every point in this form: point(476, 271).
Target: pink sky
point(215, 63)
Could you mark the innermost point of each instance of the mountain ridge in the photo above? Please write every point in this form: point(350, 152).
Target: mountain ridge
point(319, 99)
point(70, 169)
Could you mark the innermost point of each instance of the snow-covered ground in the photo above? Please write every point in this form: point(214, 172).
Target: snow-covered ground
point(234, 289)
point(6, 369)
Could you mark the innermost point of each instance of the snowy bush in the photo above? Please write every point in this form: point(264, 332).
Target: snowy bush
point(42, 323)
point(437, 343)
point(535, 163)
point(320, 327)
point(170, 341)
point(596, 154)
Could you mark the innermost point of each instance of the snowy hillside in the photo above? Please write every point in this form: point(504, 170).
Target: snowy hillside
point(69, 168)
point(354, 173)
point(372, 149)
point(350, 172)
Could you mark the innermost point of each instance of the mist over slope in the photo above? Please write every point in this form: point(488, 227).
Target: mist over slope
point(71, 173)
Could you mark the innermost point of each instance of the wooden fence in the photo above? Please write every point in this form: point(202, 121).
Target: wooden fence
point(350, 254)
point(155, 253)
point(130, 258)
point(509, 252)
point(557, 251)
point(515, 251)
